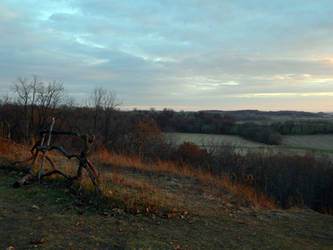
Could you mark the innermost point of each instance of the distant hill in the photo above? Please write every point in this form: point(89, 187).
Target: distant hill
point(267, 115)
point(264, 113)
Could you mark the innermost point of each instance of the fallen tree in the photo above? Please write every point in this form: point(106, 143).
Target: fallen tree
point(42, 147)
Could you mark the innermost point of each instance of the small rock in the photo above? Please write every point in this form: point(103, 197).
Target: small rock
point(117, 211)
point(229, 205)
point(59, 200)
point(35, 207)
point(104, 213)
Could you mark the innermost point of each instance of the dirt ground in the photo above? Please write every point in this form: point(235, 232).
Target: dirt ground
point(49, 216)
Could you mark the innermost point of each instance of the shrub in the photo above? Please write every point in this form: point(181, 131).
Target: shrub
point(260, 134)
point(147, 140)
point(289, 179)
point(189, 152)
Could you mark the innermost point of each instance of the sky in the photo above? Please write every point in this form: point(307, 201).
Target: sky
point(180, 54)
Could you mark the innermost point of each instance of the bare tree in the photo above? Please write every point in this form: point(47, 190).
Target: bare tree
point(104, 103)
point(96, 100)
point(48, 98)
point(22, 89)
point(5, 99)
point(39, 100)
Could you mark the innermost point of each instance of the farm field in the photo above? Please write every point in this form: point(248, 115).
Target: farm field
point(298, 143)
point(320, 142)
point(206, 140)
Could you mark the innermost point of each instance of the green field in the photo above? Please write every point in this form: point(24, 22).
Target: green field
point(299, 143)
point(317, 142)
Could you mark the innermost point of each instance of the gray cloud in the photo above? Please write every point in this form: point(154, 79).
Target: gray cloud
point(189, 53)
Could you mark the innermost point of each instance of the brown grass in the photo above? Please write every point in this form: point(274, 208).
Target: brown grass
point(141, 194)
point(13, 151)
point(211, 183)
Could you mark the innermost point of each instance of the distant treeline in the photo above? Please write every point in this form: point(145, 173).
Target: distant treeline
point(35, 102)
point(22, 122)
point(307, 127)
point(218, 123)
point(257, 115)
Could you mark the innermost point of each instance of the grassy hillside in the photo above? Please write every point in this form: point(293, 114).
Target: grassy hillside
point(148, 206)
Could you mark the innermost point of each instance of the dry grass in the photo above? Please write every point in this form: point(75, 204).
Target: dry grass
point(138, 195)
point(143, 194)
point(214, 186)
point(13, 151)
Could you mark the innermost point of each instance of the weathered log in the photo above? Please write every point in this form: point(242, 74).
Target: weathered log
point(87, 139)
point(56, 171)
point(23, 181)
point(92, 168)
point(26, 161)
point(45, 152)
point(40, 147)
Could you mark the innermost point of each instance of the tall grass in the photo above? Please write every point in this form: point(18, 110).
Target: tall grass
point(213, 183)
point(13, 151)
point(141, 195)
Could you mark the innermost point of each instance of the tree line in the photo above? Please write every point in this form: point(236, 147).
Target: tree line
point(34, 102)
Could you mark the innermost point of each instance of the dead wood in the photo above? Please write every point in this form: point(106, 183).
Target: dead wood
point(45, 152)
point(39, 147)
point(24, 181)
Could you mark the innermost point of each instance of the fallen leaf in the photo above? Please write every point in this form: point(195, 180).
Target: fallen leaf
point(37, 242)
point(184, 212)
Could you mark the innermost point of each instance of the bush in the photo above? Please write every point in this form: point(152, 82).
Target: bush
point(189, 152)
point(147, 140)
point(290, 180)
point(260, 134)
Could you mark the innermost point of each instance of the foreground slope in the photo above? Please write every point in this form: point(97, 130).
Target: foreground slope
point(49, 216)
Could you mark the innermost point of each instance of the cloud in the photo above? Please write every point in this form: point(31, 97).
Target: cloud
point(7, 15)
point(173, 53)
point(292, 94)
